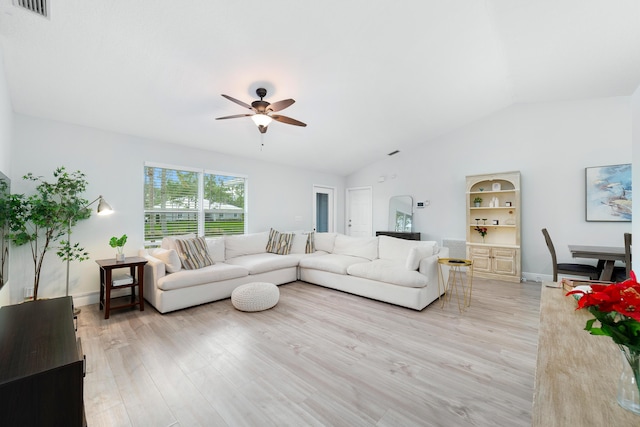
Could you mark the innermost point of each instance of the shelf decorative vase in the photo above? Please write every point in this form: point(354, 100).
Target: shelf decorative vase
point(477, 204)
point(629, 382)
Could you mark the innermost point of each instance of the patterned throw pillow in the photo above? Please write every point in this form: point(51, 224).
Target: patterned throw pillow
point(193, 253)
point(311, 246)
point(284, 244)
point(272, 244)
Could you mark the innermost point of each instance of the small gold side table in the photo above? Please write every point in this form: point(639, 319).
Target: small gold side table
point(456, 280)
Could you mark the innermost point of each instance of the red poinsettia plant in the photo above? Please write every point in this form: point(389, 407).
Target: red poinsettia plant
point(616, 307)
point(481, 230)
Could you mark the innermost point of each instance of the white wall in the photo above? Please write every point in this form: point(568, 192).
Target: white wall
point(113, 164)
point(551, 144)
point(6, 123)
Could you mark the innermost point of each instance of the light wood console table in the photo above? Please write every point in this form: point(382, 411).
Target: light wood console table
point(576, 373)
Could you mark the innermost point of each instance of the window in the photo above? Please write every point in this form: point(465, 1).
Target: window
point(180, 201)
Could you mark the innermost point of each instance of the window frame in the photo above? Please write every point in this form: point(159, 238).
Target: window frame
point(200, 211)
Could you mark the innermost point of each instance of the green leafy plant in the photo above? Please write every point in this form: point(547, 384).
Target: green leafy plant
point(477, 200)
point(118, 243)
point(44, 217)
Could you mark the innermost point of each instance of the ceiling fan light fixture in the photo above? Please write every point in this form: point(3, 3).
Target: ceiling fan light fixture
point(261, 119)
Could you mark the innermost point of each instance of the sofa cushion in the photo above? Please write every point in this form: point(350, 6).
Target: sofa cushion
point(332, 263)
point(264, 262)
point(216, 248)
point(169, 242)
point(388, 271)
point(193, 253)
point(324, 241)
point(245, 244)
point(417, 253)
point(363, 247)
point(201, 276)
point(169, 257)
point(302, 243)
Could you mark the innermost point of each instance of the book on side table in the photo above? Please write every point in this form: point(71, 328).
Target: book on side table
point(121, 279)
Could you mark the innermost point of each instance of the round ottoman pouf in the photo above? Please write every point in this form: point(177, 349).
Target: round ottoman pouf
point(256, 296)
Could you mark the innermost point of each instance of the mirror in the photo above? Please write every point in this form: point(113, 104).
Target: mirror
point(401, 213)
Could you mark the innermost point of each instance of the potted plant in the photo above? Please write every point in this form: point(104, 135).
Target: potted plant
point(44, 217)
point(477, 201)
point(118, 245)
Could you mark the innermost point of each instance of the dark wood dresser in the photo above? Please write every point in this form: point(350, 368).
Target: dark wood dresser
point(41, 365)
point(407, 235)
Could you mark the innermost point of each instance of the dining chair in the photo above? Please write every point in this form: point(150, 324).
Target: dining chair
point(621, 274)
point(571, 269)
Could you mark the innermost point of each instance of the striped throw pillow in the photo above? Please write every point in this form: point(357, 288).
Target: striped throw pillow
point(193, 253)
point(310, 246)
point(284, 244)
point(272, 243)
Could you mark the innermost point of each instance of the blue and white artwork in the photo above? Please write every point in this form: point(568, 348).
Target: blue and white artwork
point(608, 193)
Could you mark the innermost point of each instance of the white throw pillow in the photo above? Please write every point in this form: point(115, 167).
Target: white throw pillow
point(416, 254)
point(301, 241)
point(324, 241)
point(169, 257)
point(169, 242)
point(216, 248)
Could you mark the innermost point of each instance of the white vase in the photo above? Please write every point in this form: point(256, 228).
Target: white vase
point(119, 257)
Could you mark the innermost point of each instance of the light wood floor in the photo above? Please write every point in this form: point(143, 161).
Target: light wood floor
point(320, 357)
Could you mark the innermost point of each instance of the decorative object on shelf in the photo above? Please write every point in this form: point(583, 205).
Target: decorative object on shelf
point(481, 189)
point(482, 231)
point(477, 221)
point(608, 193)
point(614, 306)
point(484, 221)
point(477, 201)
point(496, 186)
point(507, 204)
point(118, 245)
point(495, 222)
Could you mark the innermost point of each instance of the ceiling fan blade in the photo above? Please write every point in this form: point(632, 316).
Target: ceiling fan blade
point(280, 105)
point(235, 116)
point(287, 120)
point(237, 101)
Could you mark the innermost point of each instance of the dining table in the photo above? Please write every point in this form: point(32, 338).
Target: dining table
point(606, 256)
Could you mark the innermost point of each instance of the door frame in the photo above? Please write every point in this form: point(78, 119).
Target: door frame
point(331, 192)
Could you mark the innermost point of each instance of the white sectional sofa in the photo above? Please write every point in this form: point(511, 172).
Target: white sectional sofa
point(401, 272)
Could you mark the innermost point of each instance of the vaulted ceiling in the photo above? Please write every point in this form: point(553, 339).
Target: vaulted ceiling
point(368, 77)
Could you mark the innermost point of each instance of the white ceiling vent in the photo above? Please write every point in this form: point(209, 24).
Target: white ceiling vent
point(41, 7)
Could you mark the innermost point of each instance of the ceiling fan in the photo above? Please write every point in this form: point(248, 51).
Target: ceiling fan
point(262, 111)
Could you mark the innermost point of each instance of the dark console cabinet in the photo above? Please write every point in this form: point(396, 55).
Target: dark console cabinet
point(407, 235)
point(41, 365)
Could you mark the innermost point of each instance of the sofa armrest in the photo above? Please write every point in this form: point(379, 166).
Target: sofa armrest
point(154, 269)
point(430, 268)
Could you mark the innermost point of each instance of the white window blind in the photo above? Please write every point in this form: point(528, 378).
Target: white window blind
point(179, 201)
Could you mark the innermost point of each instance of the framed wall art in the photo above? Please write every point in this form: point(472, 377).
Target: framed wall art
point(608, 193)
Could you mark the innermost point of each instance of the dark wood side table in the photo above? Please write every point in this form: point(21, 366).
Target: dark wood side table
point(106, 282)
